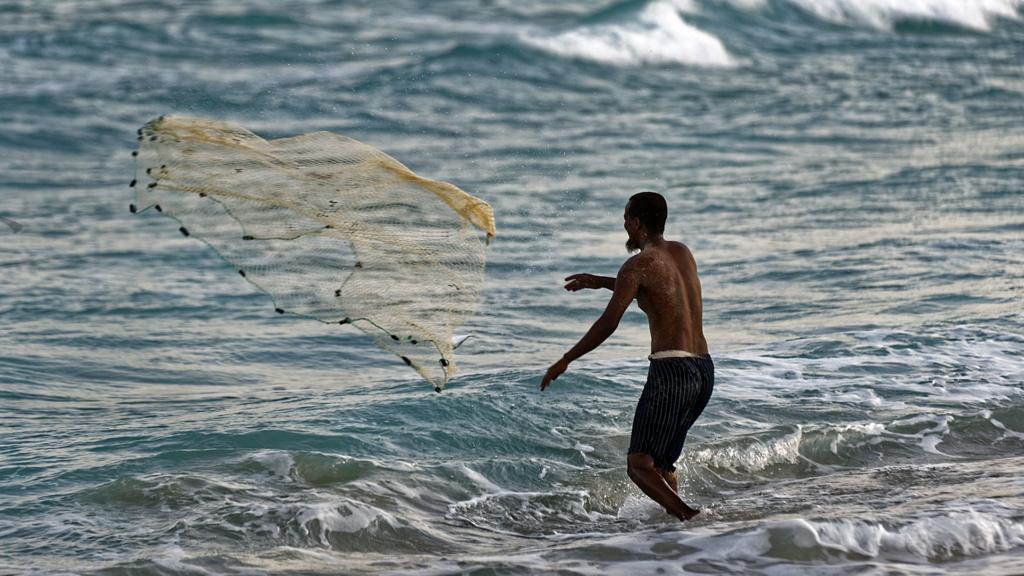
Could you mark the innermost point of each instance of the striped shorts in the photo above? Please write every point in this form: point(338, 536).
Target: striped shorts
point(676, 392)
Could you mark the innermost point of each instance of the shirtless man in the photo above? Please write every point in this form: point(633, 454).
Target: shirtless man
point(663, 279)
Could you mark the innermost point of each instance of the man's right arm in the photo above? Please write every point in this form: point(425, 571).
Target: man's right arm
point(626, 285)
point(581, 281)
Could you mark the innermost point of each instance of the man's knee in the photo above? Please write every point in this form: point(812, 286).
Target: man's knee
point(639, 461)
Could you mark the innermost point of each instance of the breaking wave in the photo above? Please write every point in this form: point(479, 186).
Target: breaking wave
point(656, 34)
point(883, 14)
point(936, 539)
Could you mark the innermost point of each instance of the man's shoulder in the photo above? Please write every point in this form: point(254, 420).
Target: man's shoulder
point(680, 252)
point(634, 263)
point(638, 260)
point(639, 264)
point(674, 245)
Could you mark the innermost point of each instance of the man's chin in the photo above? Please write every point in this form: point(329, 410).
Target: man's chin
point(630, 247)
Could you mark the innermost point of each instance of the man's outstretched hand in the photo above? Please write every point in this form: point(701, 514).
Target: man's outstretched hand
point(553, 373)
point(581, 281)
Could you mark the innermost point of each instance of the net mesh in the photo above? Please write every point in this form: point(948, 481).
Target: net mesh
point(329, 227)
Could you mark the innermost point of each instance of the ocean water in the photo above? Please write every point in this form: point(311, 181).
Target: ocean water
point(848, 173)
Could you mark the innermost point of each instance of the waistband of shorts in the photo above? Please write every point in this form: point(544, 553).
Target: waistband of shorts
point(663, 354)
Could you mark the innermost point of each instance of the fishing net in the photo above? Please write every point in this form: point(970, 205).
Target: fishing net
point(330, 228)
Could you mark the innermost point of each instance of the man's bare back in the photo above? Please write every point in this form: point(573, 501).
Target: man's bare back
point(669, 293)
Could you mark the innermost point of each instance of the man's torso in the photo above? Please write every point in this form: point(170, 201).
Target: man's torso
point(670, 295)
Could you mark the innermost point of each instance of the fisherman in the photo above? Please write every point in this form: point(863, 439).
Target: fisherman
point(662, 277)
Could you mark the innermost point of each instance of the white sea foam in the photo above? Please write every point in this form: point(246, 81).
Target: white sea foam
point(314, 520)
point(584, 448)
point(936, 538)
point(277, 462)
point(351, 516)
point(845, 434)
point(881, 14)
point(965, 368)
point(928, 437)
point(752, 455)
point(480, 480)
point(925, 430)
point(528, 512)
point(639, 507)
point(655, 35)
point(861, 396)
point(174, 559)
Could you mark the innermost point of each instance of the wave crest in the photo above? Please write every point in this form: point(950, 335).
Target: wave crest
point(750, 454)
point(936, 539)
point(883, 14)
point(655, 35)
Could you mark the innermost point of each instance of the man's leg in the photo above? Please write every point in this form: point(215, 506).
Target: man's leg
point(642, 472)
point(670, 479)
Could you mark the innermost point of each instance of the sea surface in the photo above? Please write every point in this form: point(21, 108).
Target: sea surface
point(848, 173)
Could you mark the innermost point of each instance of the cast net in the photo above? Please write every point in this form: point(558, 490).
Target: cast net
point(330, 228)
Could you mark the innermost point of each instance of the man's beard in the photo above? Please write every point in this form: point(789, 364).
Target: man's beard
point(631, 246)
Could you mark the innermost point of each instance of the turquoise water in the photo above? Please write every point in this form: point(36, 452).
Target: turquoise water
point(848, 174)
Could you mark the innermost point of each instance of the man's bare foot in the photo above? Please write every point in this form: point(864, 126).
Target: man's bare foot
point(685, 515)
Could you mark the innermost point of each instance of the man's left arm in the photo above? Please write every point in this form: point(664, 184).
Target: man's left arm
point(627, 282)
